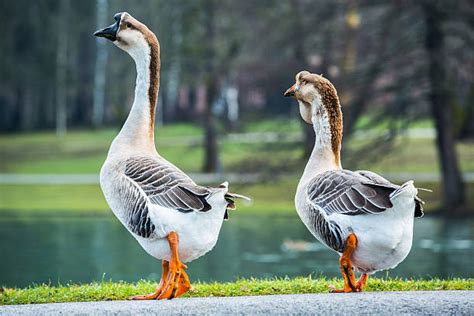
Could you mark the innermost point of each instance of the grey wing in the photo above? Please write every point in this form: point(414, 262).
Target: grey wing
point(376, 178)
point(382, 181)
point(342, 192)
point(327, 231)
point(147, 182)
point(349, 193)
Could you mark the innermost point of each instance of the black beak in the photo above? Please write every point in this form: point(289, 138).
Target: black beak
point(110, 32)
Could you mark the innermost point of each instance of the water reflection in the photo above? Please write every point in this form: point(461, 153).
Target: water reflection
point(83, 249)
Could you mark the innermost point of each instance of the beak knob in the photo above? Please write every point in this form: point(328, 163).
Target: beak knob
point(290, 92)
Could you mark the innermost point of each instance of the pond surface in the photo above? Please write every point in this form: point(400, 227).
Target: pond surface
point(58, 248)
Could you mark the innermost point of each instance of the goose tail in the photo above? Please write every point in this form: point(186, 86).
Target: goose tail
point(230, 197)
point(408, 189)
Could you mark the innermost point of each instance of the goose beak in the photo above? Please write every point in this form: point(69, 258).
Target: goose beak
point(110, 32)
point(291, 91)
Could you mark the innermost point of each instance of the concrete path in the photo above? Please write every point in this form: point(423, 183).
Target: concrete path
point(380, 303)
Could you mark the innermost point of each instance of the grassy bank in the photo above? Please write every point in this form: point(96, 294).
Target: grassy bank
point(268, 198)
point(81, 152)
point(121, 290)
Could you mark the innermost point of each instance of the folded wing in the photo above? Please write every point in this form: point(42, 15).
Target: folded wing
point(149, 181)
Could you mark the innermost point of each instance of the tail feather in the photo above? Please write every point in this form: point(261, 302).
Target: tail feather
point(229, 197)
point(419, 207)
point(409, 188)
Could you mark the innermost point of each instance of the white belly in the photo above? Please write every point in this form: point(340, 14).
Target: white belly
point(383, 240)
point(197, 234)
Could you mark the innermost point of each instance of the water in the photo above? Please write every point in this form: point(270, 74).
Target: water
point(60, 249)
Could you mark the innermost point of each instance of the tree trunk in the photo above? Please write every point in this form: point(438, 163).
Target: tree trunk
point(98, 108)
point(61, 67)
point(211, 159)
point(211, 163)
point(453, 186)
point(174, 72)
point(299, 56)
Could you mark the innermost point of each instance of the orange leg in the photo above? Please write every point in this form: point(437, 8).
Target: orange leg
point(361, 283)
point(346, 266)
point(159, 289)
point(177, 281)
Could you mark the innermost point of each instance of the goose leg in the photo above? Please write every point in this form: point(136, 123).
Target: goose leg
point(177, 281)
point(346, 267)
point(361, 283)
point(154, 295)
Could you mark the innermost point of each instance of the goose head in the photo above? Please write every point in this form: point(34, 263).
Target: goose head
point(314, 94)
point(128, 34)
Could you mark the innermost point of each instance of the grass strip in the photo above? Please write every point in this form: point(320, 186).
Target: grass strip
point(109, 290)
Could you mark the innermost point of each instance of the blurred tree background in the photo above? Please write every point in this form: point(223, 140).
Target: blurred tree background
point(226, 63)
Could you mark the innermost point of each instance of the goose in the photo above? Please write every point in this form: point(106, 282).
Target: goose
point(170, 216)
point(359, 214)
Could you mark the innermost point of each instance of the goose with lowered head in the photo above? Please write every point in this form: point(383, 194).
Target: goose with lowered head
point(172, 217)
point(359, 214)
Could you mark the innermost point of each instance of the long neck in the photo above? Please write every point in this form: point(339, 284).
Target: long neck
point(138, 130)
point(327, 126)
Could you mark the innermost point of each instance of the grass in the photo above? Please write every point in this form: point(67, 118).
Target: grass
point(83, 152)
point(274, 197)
point(105, 291)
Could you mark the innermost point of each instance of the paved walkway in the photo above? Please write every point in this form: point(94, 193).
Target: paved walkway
point(379, 303)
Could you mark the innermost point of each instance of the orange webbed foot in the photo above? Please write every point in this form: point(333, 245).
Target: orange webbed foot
point(159, 289)
point(177, 283)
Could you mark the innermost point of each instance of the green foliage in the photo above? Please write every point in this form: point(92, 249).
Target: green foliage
point(106, 291)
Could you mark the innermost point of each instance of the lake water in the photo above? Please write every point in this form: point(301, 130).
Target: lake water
point(57, 248)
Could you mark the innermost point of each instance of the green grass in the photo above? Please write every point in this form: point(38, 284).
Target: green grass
point(267, 198)
point(274, 197)
point(83, 152)
point(121, 290)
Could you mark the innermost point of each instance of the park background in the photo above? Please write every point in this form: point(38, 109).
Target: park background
point(403, 70)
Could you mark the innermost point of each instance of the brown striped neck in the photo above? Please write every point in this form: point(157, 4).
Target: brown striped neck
point(327, 118)
point(138, 130)
point(154, 77)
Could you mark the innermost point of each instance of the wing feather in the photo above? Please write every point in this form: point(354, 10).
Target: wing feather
point(349, 193)
point(151, 181)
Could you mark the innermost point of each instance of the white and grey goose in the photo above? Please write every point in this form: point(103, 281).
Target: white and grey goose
point(359, 214)
point(172, 218)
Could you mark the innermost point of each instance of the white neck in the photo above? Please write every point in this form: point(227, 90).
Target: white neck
point(137, 132)
point(322, 157)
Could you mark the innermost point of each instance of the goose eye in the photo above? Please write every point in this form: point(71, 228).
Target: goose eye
point(129, 25)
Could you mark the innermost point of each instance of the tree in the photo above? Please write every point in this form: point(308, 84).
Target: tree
point(61, 67)
point(98, 107)
point(453, 186)
point(211, 151)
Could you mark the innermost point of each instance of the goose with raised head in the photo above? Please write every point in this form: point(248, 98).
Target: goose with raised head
point(359, 214)
point(172, 217)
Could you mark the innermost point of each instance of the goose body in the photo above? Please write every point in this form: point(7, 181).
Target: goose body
point(148, 195)
point(332, 210)
point(359, 214)
point(173, 218)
